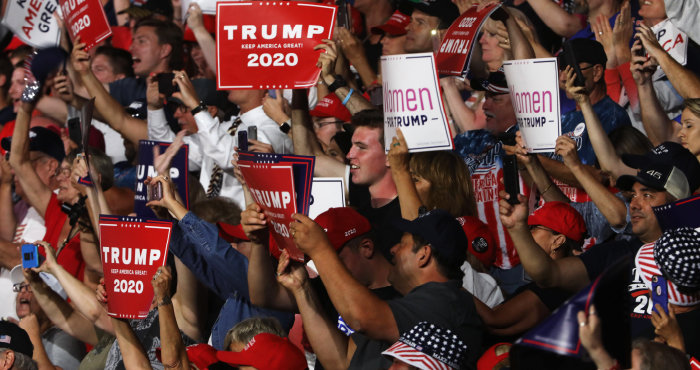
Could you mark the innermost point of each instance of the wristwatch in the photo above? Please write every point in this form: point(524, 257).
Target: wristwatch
point(338, 83)
point(286, 126)
point(199, 108)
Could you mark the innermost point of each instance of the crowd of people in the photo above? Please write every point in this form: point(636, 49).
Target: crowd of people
point(431, 264)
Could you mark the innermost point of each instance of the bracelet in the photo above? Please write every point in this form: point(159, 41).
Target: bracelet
point(165, 301)
point(199, 108)
point(548, 187)
point(347, 97)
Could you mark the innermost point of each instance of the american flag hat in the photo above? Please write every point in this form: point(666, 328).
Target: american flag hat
point(429, 347)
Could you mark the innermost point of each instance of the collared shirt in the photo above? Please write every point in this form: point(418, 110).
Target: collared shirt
point(217, 147)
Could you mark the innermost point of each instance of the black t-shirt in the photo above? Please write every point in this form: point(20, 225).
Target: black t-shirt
point(689, 323)
point(381, 220)
point(598, 258)
point(551, 297)
point(443, 304)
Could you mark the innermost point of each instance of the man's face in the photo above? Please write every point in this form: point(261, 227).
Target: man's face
point(25, 301)
point(103, 70)
point(146, 51)
point(185, 119)
point(66, 192)
point(392, 45)
point(499, 112)
point(403, 263)
point(16, 87)
point(644, 223)
point(587, 70)
point(366, 156)
point(325, 128)
point(419, 32)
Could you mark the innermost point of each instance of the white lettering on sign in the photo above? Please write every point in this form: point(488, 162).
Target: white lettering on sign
point(467, 22)
point(276, 199)
point(276, 60)
point(124, 255)
point(269, 32)
point(128, 286)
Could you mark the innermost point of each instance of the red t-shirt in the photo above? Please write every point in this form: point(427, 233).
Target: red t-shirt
point(70, 258)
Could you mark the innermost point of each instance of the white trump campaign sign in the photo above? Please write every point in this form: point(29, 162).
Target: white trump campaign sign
point(33, 22)
point(326, 192)
point(412, 102)
point(534, 92)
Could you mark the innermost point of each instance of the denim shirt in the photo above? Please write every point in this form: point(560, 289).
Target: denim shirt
point(222, 269)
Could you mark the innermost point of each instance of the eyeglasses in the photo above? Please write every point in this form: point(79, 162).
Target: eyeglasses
point(322, 124)
point(19, 287)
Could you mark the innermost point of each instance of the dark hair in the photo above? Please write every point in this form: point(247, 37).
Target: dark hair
point(168, 33)
point(218, 209)
point(654, 355)
point(6, 70)
point(447, 266)
point(629, 140)
point(100, 161)
point(371, 118)
point(119, 59)
point(21, 52)
point(450, 182)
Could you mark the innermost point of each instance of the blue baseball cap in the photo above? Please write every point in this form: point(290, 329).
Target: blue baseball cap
point(440, 230)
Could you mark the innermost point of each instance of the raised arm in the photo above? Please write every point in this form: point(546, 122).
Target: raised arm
point(62, 314)
point(204, 38)
point(326, 61)
point(548, 189)
point(612, 207)
point(38, 194)
point(604, 149)
point(83, 298)
point(329, 343)
point(173, 354)
point(656, 124)
point(556, 18)
point(131, 128)
point(132, 352)
point(683, 80)
point(353, 50)
point(304, 138)
point(360, 308)
point(399, 163)
point(567, 273)
point(8, 222)
point(264, 290)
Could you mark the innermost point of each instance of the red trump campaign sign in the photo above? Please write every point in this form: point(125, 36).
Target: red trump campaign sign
point(272, 188)
point(132, 249)
point(456, 47)
point(87, 19)
point(269, 44)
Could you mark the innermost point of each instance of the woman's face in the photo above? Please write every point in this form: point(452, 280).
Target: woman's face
point(690, 131)
point(490, 51)
point(423, 188)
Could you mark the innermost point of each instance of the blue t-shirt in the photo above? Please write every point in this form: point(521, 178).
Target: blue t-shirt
point(611, 116)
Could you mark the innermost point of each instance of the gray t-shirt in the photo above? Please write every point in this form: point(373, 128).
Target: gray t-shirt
point(63, 350)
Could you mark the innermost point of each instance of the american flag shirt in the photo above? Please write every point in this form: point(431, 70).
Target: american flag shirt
point(483, 154)
point(647, 268)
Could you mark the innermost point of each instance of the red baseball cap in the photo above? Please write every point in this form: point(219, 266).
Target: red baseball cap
point(267, 352)
point(395, 26)
point(201, 355)
point(331, 106)
point(342, 224)
point(560, 217)
point(481, 243)
point(234, 233)
point(494, 356)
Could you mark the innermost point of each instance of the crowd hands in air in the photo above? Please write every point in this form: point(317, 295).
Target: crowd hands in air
point(430, 248)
